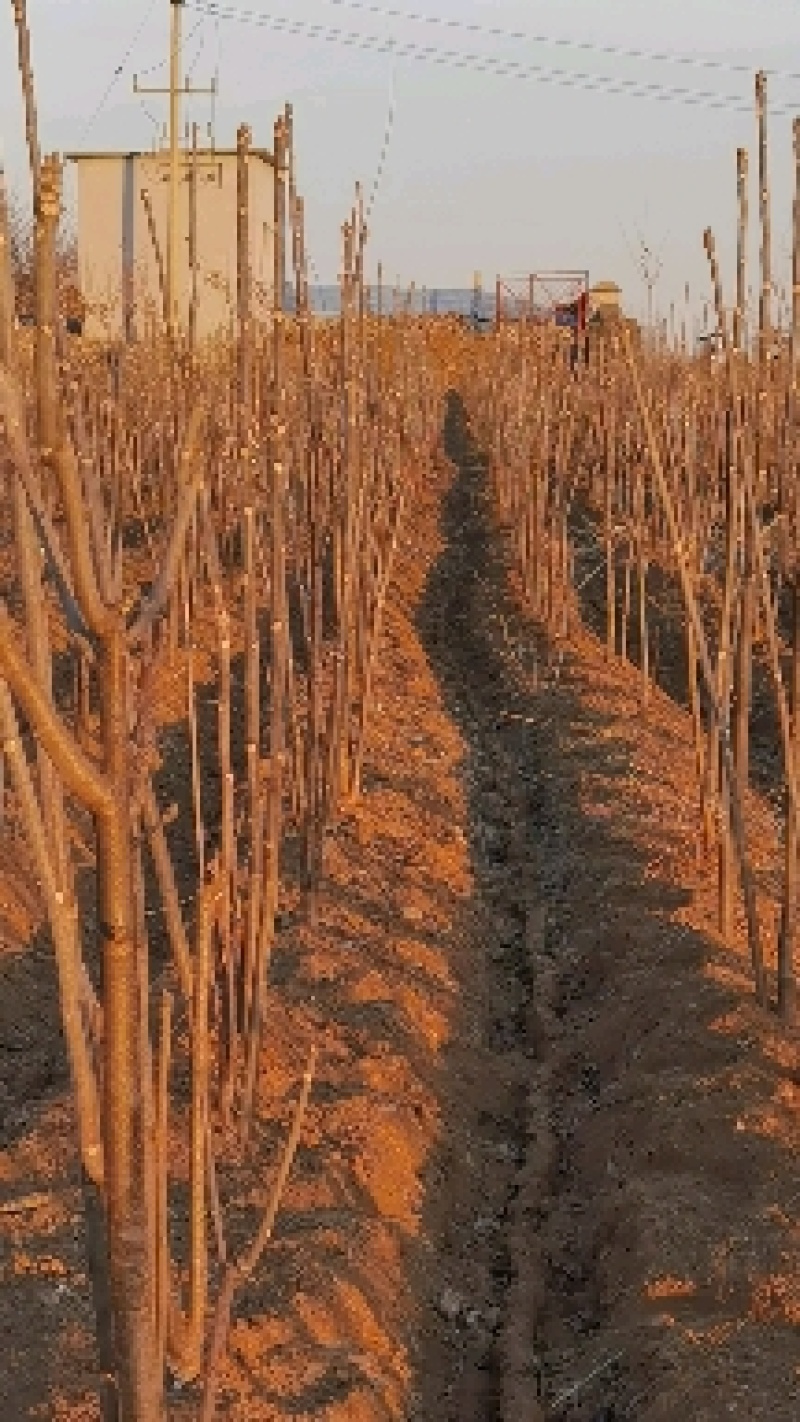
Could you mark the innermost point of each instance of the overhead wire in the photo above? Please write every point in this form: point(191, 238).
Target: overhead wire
point(192, 63)
point(152, 69)
point(212, 121)
point(474, 62)
point(119, 71)
point(385, 147)
point(160, 63)
point(614, 51)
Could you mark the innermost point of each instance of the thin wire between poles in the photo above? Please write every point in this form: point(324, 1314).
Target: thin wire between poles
point(118, 72)
point(385, 148)
point(614, 51)
point(192, 63)
point(484, 64)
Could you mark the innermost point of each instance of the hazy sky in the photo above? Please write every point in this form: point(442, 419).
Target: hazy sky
point(484, 171)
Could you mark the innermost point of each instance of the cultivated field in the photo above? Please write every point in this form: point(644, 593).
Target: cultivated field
point(398, 859)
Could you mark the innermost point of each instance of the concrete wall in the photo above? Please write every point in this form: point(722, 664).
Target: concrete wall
point(117, 262)
point(100, 212)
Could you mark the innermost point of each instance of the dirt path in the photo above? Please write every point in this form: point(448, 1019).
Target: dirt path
point(644, 1256)
point(548, 1169)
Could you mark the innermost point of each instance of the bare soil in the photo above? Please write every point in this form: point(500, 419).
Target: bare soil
point(548, 1170)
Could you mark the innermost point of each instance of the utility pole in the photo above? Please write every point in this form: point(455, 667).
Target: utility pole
point(175, 91)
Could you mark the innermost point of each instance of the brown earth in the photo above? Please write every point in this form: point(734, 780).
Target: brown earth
point(548, 1166)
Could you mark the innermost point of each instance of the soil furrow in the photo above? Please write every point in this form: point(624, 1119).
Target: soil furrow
point(645, 1239)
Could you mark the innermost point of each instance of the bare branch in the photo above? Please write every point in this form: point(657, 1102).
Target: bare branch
point(186, 1331)
point(94, 609)
point(7, 293)
point(720, 711)
point(76, 770)
point(159, 595)
point(169, 892)
point(11, 411)
point(71, 987)
point(238, 1272)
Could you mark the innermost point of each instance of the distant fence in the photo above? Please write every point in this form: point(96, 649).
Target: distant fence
point(434, 301)
point(444, 301)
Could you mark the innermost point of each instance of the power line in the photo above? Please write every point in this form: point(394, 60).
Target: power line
point(118, 72)
point(160, 64)
point(385, 148)
point(615, 51)
point(483, 64)
point(149, 69)
point(192, 64)
point(212, 124)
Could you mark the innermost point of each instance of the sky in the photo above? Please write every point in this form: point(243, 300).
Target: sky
point(490, 165)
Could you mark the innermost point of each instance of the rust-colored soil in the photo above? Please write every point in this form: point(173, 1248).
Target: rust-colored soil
point(548, 1170)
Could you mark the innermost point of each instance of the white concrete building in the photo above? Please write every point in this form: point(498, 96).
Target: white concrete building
point(117, 263)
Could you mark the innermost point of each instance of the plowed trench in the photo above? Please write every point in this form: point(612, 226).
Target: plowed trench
point(616, 1209)
point(473, 1355)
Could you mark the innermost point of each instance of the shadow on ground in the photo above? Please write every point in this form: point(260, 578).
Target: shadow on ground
point(644, 1084)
